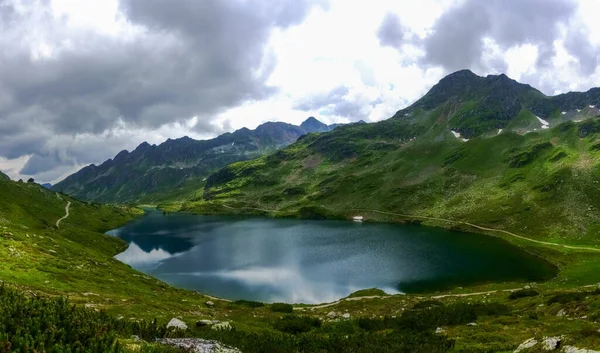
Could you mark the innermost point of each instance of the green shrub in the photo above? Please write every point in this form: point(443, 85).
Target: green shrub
point(426, 304)
point(282, 308)
point(296, 324)
point(435, 316)
point(567, 297)
point(522, 293)
point(248, 303)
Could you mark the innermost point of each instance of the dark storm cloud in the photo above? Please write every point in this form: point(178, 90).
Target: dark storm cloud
point(188, 58)
point(390, 32)
point(457, 38)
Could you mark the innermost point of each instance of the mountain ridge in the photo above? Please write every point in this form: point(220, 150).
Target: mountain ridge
point(177, 166)
point(534, 177)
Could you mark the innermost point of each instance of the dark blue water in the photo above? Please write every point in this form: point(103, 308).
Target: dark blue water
point(304, 261)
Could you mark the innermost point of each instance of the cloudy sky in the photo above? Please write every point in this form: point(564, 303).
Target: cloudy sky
point(81, 80)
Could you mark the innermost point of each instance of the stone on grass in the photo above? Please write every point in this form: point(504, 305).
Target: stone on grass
point(210, 303)
point(346, 316)
point(551, 343)
point(472, 324)
point(526, 345)
point(561, 312)
point(203, 323)
point(571, 349)
point(332, 315)
point(176, 323)
point(198, 345)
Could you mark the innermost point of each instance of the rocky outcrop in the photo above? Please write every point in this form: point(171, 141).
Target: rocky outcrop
point(198, 345)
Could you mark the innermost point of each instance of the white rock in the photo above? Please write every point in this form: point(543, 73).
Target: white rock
point(332, 315)
point(561, 312)
point(571, 349)
point(525, 345)
point(346, 316)
point(550, 343)
point(198, 345)
point(204, 323)
point(472, 324)
point(176, 323)
point(439, 330)
point(209, 303)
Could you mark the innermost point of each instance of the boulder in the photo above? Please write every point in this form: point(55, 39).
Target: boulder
point(526, 345)
point(210, 303)
point(472, 324)
point(571, 349)
point(176, 323)
point(201, 323)
point(332, 315)
point(346, 316)
point(198, 345)
point(561, 312)
point(551, 343)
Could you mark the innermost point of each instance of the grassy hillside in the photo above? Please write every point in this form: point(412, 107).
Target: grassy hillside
point(42, 265)
point(544, 184)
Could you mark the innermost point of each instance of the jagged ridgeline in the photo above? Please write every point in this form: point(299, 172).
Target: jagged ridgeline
point(487, 150)
point(178, 168)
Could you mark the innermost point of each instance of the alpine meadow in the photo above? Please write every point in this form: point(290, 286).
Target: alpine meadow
point(300, 176)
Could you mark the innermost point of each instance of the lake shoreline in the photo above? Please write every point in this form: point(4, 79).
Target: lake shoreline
point(465, 288)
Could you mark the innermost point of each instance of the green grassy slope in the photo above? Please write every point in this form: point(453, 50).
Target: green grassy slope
point(544, 185)
point(115, 301)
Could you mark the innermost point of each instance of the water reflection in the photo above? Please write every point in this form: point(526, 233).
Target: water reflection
point(314, 261)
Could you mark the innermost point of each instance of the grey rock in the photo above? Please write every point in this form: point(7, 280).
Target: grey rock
point(332, 315)
point(526, 345)
point(346, 316)
point(561, 312)
point(551, 343)
point(472, 324)
point(198, 345)
point(176, 323)
point(203, 323)
point(571, 349)
point(210, 303)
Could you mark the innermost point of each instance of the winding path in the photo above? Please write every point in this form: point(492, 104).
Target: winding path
point(573, 247)
point(66, 214)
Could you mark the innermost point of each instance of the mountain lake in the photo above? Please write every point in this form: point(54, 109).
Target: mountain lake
point(310, 261)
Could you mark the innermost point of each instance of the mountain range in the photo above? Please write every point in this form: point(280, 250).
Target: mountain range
point(178, 167)
point(484, 150)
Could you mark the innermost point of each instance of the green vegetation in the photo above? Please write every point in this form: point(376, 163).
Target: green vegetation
point(368, 292)
point(282, 308)
point(523, 293)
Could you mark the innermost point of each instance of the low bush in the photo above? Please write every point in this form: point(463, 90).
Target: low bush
point(567, 297)
point(427, 304)
point(523, 293)
point(248, 303)
point(296, 324)
point(282, 308)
